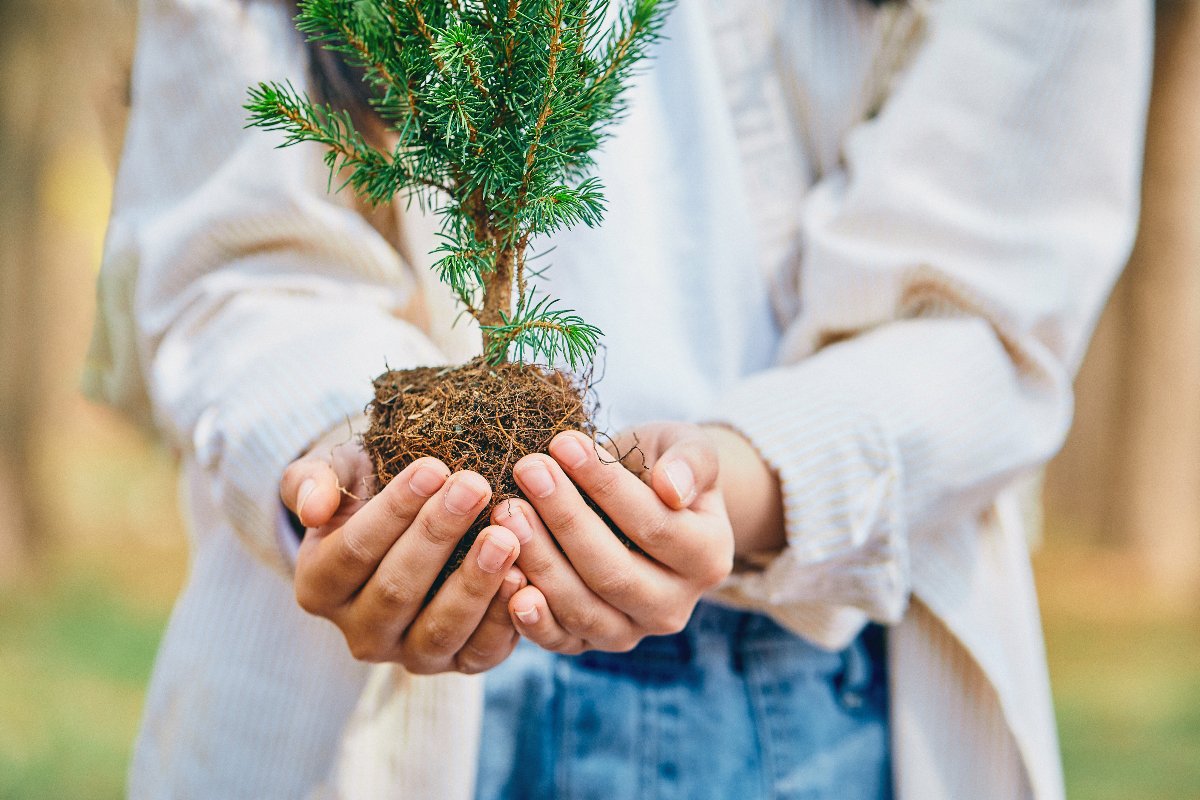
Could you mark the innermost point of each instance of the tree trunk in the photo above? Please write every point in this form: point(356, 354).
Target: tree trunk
point(1156, 498)
point(23, 36)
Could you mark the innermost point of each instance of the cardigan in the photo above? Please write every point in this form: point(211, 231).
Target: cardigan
point(875, 241)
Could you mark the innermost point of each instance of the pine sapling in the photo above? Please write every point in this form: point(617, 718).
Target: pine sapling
point(494, 111)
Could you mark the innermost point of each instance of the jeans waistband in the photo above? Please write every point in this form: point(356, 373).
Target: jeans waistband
point(716, 631)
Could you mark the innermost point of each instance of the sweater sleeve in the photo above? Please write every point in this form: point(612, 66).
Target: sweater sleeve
point(262, 306)
point(971, 238)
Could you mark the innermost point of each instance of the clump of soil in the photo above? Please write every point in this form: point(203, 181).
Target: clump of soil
point(478, 416)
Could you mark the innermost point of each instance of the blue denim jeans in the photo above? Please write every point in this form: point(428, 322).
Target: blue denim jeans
point(732, 708)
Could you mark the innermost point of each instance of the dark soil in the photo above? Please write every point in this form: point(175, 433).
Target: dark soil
point(478, 416)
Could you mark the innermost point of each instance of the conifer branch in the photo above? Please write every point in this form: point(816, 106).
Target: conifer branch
point(497, 107)
point(548, 104)
point(541, 328)
point(423, 29)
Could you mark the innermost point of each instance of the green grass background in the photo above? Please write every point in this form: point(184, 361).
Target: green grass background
point(76, 652)
point(75, 657)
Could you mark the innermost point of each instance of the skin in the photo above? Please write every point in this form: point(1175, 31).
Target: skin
point(367, 565)
point(691, 497)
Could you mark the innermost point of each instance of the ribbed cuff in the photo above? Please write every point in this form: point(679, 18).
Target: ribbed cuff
point(840, 476)
point(295, 393)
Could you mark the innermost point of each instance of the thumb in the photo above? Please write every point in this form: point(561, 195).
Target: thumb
point(310, 489)
point(686, 470)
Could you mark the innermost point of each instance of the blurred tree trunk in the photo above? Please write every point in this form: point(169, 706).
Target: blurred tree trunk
point(23, 124)
point(1157, 483)
point(62, 63)
point(1130, 474)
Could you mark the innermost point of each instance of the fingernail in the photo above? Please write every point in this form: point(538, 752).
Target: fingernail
point(425, 481)
point(462, 497)
point(536, 478)
point(568, 450)
point(679, 475)
point(493, 555)
point(516, 522)
point(529, 616)
point(306, 490)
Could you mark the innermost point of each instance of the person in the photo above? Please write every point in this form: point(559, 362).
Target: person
point(852, 258)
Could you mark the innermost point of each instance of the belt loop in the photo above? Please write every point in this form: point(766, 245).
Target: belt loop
point(684, 646)
point(737, 642)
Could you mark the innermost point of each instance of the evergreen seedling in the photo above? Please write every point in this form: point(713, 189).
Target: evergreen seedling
point(495, 109)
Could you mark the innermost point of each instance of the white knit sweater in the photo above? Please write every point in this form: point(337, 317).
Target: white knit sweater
point(889, 305)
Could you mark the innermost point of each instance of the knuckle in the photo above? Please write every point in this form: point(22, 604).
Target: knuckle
point(668, 620)
point(393, 591)
point(436, 531)
point(556, 640)
point(364, 649)
point(573, 647)
point(309, 595)
point(497, 614)
point(613, 584)
point(536, 561)
point(624, 643)
point(655, 530)
point(472, 660)
point(469, 664)
point(661, 627)
point(395, 504)
point(353, 552)
point(583, 621)
point(676, 621)
point(657, 626)
point(438, 638)
point(557, 643)
point(421, 665)
point(417, 658)
point(477, 588)
point(308, 598)
point(716, 571)
point(562, 520)
point(604, 481)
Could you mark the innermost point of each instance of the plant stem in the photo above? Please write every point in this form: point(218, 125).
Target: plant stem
point(497, 297)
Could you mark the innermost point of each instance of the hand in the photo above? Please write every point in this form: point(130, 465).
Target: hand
point(595, 593)
point(368, 564)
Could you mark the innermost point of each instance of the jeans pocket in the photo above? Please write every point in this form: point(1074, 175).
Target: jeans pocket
point(822, 721)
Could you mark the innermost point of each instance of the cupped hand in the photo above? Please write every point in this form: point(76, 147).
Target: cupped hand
point(368, 565)
point(594, 593)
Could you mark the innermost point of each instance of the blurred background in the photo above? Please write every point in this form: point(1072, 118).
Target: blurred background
point(92, 550)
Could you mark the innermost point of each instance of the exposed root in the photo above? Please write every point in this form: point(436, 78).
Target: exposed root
point(482, 417)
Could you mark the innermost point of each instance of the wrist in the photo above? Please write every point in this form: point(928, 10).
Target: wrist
point(752, 494)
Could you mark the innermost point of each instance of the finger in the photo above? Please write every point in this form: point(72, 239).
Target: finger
point(443, 627)
point(331, 568)
point(578, 609)
point(533, 620)
point(617, 575)
point(495, 637)
point(632, 451)
point(354, 469)
point(632, 505)
point(309, 488)
point(687, 469)
point(397, 590)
